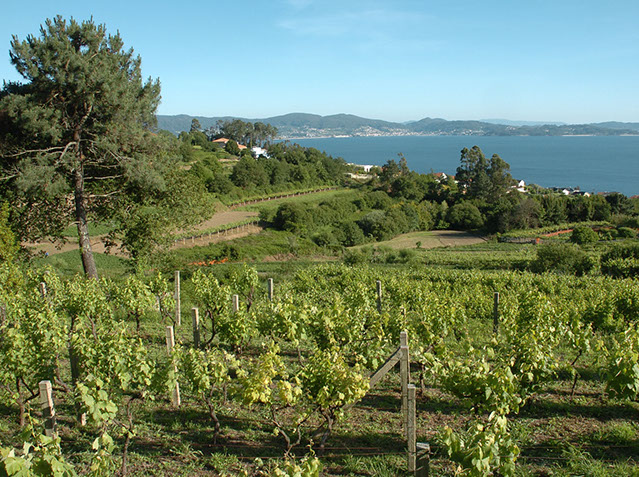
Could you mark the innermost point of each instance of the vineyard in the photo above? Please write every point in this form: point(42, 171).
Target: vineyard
point(224, 372)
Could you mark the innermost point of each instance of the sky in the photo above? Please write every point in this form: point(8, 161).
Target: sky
point(575, 61)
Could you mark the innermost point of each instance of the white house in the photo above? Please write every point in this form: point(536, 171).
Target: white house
point(366, 167)
point(259, 151)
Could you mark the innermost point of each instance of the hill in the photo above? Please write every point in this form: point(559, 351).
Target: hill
point(304, 125)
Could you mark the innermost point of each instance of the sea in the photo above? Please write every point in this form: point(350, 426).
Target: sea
point(592, 163)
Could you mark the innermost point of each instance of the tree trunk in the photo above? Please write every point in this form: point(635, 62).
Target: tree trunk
point(88, 262)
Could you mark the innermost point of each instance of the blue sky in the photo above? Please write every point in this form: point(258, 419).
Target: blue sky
point(559, 60)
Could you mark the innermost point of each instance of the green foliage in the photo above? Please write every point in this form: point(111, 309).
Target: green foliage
point(232, 148)
point(621, 261)
point(485, 449)
point(309, 466)
point(79, 124)
point(8, 245)
point(622, 377)
point(330, 383)
point(562, 258)
point(583, 235)
point(626, 232)
point(482, 178)
point(464, 216)
point(40, 456)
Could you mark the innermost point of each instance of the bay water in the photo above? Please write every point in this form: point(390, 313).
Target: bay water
point(593, 163)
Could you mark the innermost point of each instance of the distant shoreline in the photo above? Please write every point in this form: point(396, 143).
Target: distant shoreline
point(293, 138)
point(595, 163)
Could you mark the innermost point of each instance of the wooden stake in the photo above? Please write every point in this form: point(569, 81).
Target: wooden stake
point(270, 289)
point(423, 460)
point(236, 303)
point(496, 313)
point(178, 311)
point(43, 289)
point(170, 344)
point(410, 429)
point(404, 368)
point(379, 296)
point(46, 404)
point(196, 327)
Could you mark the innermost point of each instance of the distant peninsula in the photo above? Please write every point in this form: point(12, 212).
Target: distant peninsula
point(303, 126)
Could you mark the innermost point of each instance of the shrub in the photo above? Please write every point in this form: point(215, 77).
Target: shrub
point(562, 258)
point(621, 261)
point(464, 216)
point(626, 232)
point(8, 244)
point(583, 234)
point(292, 217)
point(357, 256)
point(349, 234)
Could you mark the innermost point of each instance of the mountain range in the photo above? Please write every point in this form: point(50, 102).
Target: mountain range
point(303, 125)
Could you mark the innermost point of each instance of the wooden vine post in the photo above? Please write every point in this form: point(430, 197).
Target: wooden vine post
point(496, 313)
point(423, 460)
point(270, 289)
point(379, 296)
point(46, 404)
point(170, 344)
point(404, 368)
point(236, 303)
point(402, 356)
point(196, 327)
point(178, 312)
point(43, 289)
point(411, 433)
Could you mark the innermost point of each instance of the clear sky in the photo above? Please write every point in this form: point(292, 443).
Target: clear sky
point(549, 60)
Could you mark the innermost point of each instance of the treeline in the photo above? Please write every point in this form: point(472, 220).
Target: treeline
point(354, 219)
point(231, 174)
point(483, 195)
point(246, 133)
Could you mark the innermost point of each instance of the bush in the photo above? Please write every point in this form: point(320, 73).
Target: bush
point(349, 234)
point(562, 258)
point(324, 238)
point(292, 217)
point(464, 216)
point(626, 232)
point(583, 234)
point(358, 256)
point(621, 261)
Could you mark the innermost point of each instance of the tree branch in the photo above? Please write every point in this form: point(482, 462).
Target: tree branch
point(95, 196)
point(103, 178)
point(47, 150)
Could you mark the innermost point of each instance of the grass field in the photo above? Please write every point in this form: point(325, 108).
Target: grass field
point(430, 239)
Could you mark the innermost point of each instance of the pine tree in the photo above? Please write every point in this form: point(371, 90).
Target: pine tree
point(76, 133)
